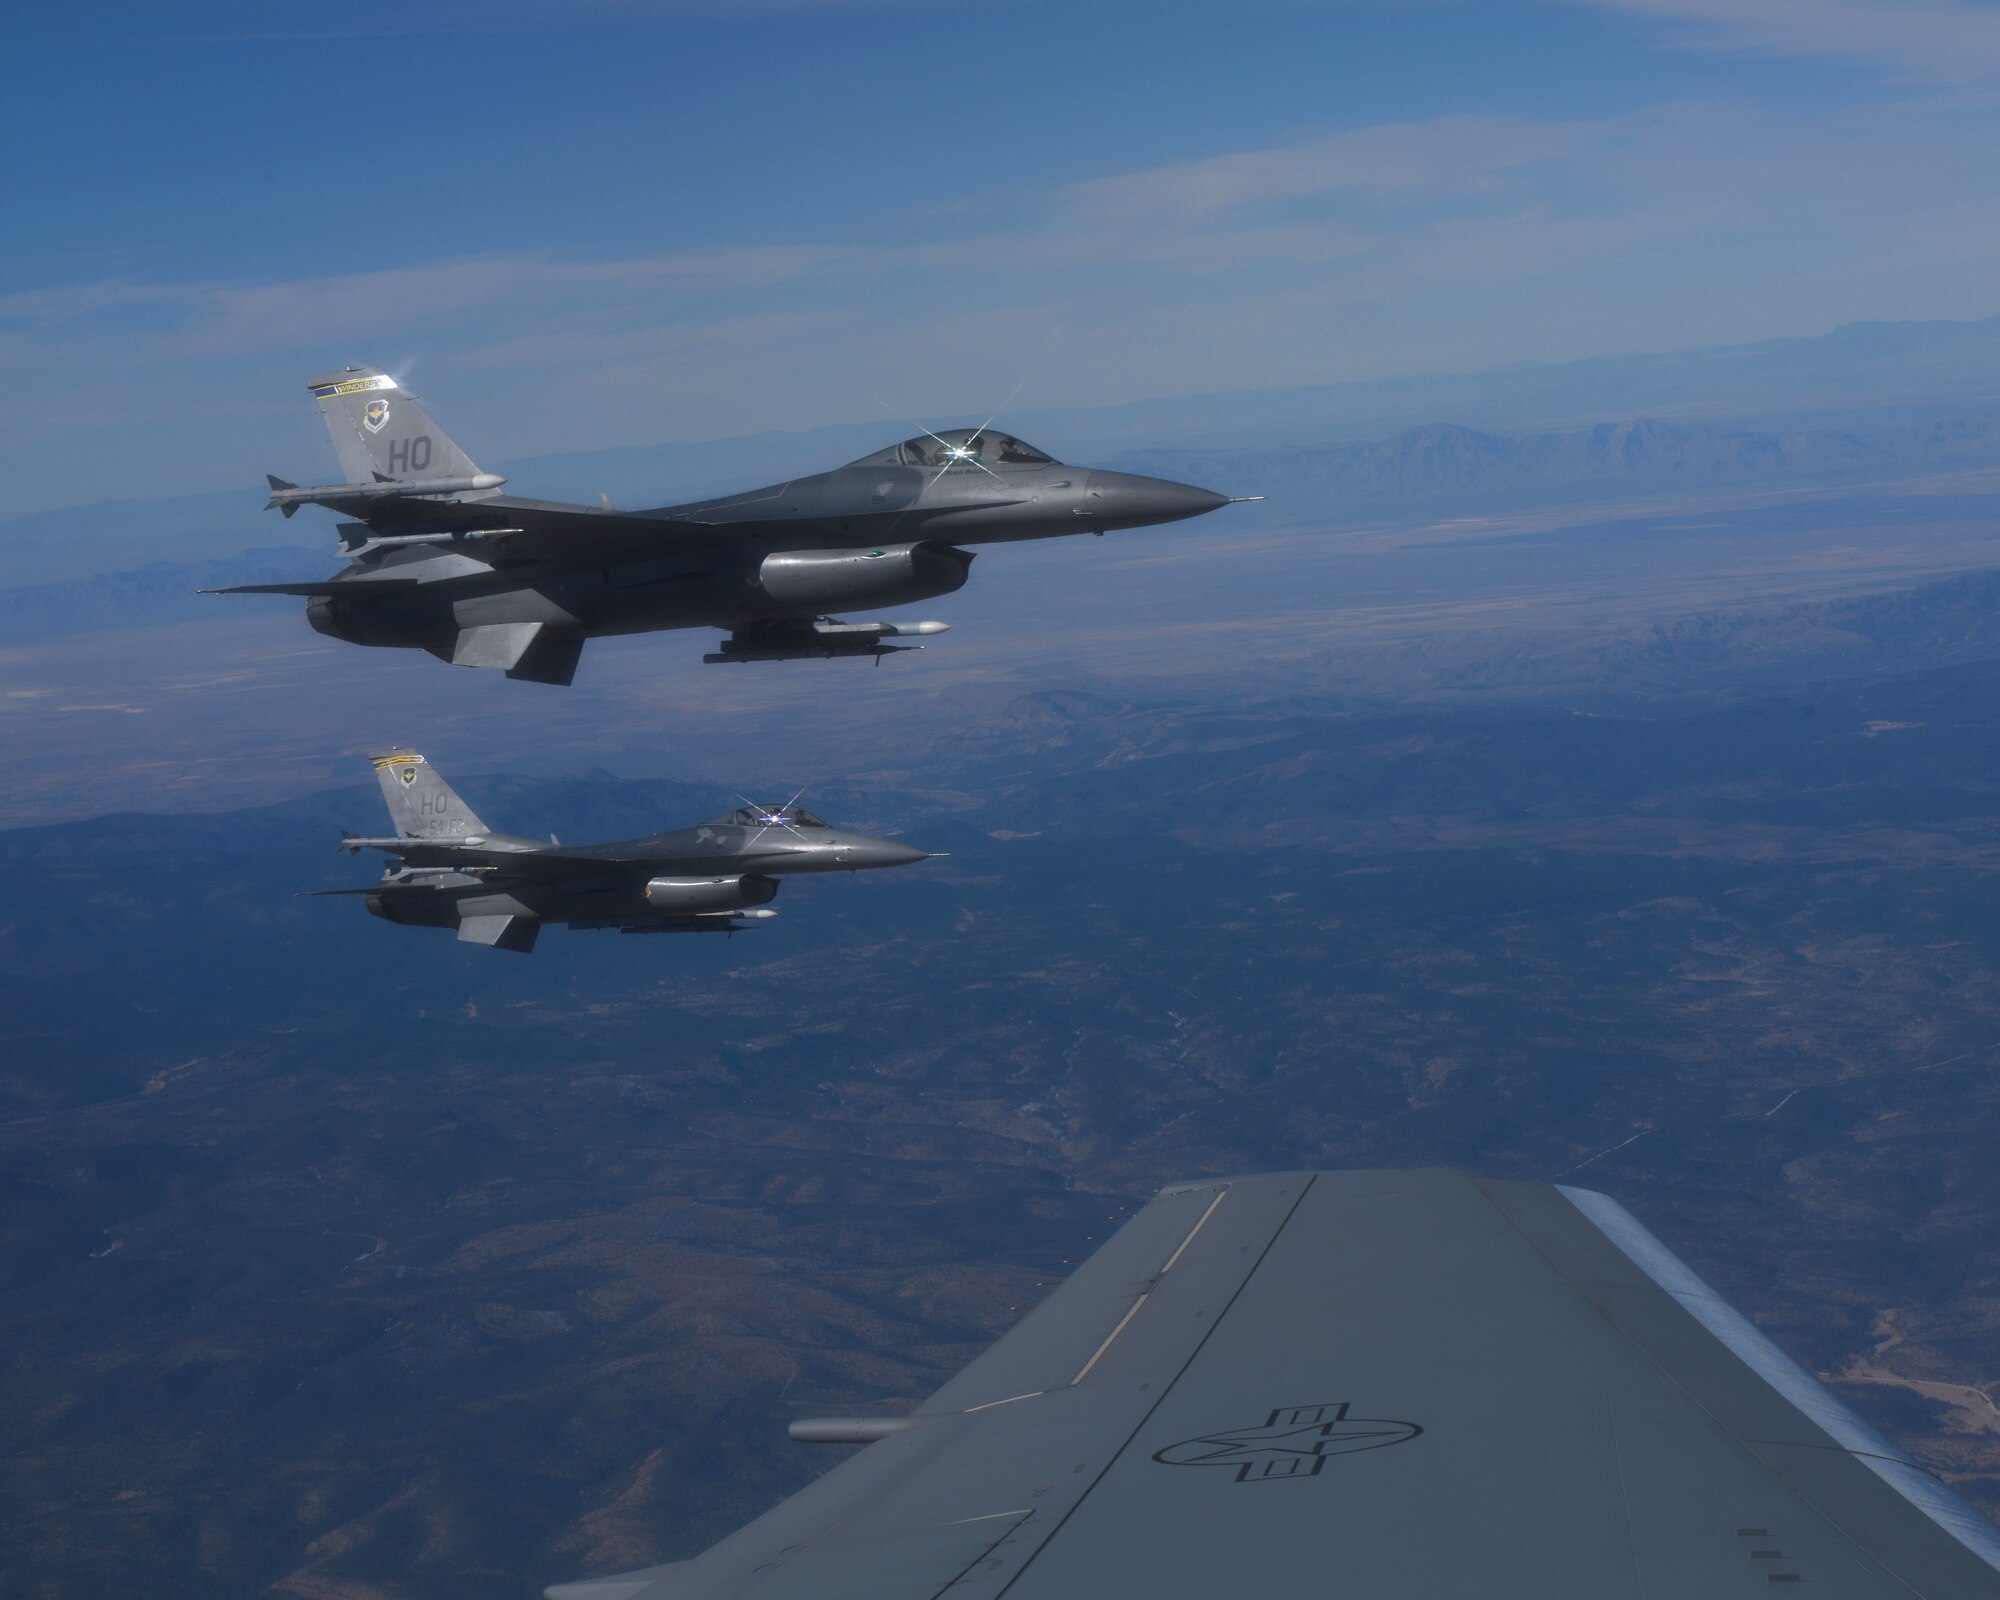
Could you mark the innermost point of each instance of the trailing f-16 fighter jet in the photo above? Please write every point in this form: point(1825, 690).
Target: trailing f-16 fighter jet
point(1424, 1385)
point(441, 560)
point(452, 871)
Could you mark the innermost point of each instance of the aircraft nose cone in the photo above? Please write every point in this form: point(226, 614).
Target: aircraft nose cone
point(883, 853)
point(1125, 498)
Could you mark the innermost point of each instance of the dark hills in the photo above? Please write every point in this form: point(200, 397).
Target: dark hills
point(1693, 656)
point(161, 592)
point(351, 1261)
point(344, 1261)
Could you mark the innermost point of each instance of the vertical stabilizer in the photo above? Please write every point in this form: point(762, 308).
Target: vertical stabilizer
point(379, 432)
point(421, 804)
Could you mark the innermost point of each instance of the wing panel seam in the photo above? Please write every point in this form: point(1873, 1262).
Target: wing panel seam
point(1220, 1195)
point(1167, 1388)
point(1109, 1339)
point(1125, 1321)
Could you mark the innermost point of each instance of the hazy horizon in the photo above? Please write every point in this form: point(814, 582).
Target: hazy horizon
point(786, 216)
point(1579, 767)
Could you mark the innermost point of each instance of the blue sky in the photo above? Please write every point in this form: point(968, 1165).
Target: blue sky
point(627, 221)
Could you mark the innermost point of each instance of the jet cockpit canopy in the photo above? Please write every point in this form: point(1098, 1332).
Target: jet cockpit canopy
point(960, 449)
point(773, 817)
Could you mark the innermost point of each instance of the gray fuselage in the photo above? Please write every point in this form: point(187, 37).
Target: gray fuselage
point(879, 532)
point(711, 870)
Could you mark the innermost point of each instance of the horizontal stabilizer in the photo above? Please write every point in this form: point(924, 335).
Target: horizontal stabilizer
point(495, 644)
point(550, 659)
point(531, 652)
point(501, 931)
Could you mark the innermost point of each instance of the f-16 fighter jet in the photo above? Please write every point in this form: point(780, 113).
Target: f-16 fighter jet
point(451, 871)
point(441, 560)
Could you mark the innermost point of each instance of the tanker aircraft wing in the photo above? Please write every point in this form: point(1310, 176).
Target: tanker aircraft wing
point(1424, 1384)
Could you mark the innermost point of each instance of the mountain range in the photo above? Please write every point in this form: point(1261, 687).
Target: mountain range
point(1886, 383)
point(351, 1261)
point(1437, 471)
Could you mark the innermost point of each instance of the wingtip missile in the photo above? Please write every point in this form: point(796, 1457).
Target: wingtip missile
point(878, 630)
point(353, 843)
point(288, 497)
point(824, 640)
point(707, 922)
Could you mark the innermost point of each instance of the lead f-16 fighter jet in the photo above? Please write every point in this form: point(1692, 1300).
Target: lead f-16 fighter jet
point(451, 871)
point(439, 559)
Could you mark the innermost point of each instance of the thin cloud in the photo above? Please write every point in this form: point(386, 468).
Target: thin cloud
point(661, 342)
point(1944, 41)
point(1413, 196)
point(31, 307)
point(283, 315)
point(1409, 159)
point(319, 308)
point(1438, 245)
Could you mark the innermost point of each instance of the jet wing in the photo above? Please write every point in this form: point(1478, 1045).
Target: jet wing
point(514, 529)
point(1419, 1384)
point(322, 586)
point(544, 864)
